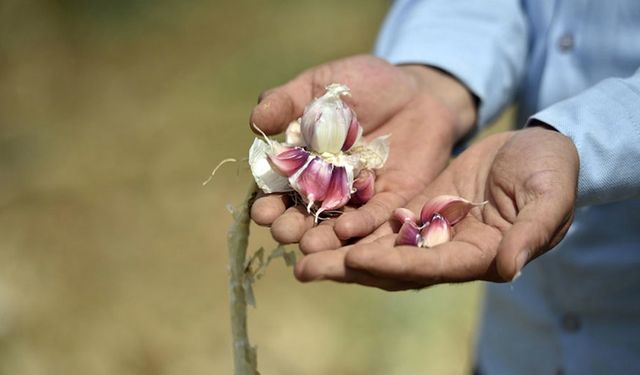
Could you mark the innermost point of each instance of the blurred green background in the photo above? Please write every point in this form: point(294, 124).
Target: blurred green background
point(112, 254)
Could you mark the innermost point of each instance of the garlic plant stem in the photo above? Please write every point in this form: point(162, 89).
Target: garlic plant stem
point(244, 355)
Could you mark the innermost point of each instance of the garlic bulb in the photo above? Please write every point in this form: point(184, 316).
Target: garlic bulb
point(323, 152)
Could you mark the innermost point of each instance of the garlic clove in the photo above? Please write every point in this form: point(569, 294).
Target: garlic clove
point(436, 232)
point(409, 235)
point(312, 180)
point(451, 207)
point(364, 186)
point(339, 190)
point(353, 134)
point(326, 121)
point(288, 160)
point(309, 118)
point(266, 178)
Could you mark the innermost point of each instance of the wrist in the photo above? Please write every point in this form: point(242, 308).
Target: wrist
point(450, 92)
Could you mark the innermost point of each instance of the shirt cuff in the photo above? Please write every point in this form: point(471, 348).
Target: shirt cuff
point(604, 124)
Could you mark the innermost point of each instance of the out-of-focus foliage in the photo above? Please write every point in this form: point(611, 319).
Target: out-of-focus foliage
point(112, 254)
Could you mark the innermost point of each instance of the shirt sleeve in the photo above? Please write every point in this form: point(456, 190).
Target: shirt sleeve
point(481, 43)
point(604, 124)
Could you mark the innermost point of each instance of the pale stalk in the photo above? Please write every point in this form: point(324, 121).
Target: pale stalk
point(244, 355)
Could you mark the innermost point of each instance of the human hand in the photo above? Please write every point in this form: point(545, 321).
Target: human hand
point(423, 109)
point(529, 179)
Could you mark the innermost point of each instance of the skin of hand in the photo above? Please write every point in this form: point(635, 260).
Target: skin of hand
point(529, 179)
point(424, 110)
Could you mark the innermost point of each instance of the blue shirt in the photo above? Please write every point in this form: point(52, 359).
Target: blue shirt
point(574, 65)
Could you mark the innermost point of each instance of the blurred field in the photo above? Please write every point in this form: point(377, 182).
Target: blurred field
point(112, 254)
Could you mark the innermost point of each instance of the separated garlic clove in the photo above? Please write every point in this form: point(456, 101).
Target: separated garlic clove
point(404, 214)
point(326, 121)
point(437, 218)
point(339, 190)
point(451, 207)
point(364, 186)
point(409, 235)
point(288, 160)
point(436, 232)
point(312, 181)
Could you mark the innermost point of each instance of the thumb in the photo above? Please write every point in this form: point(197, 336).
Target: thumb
point(539, 226)
point(279, 106)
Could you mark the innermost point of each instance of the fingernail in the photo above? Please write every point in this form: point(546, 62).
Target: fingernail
point(521, 259)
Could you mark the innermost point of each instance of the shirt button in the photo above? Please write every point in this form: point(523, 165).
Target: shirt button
point(571, 322)
point(566, 42)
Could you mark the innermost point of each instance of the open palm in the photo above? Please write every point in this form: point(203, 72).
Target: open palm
point(529, 179)
point(388, 100)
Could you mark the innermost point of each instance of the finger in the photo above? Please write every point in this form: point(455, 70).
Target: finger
point(267, 208)
point(385, 229)
point(329, 265)
point(538, 227)
point(323, 237)
point(369, 217)
point(320, 238)
point(291, 225)
point(277, 107)
point(321, 266)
